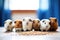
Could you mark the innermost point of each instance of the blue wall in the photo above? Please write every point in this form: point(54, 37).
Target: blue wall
point(4, 14)
point(52, 10)
point(1, 10)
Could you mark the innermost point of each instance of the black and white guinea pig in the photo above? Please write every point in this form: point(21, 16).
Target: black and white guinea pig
point(36, 25)
point(45, 25)
point(27, 24)
point(8, 25)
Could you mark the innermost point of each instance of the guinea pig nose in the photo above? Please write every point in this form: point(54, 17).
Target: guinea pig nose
point(46, 26)
point(45, 23)
point(52, 22)
point(27, 23)
point(17, 25)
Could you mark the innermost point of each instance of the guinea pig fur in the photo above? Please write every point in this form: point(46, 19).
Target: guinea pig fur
point(18, 25)
point(54, 24)
point(27, 24)
point(8, 25)
point(45, 25)
point(36, 25)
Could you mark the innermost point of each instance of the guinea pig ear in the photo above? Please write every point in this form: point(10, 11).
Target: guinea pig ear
point(15, 22)
point(55, 20)
point(30, 20)
point(33, 21)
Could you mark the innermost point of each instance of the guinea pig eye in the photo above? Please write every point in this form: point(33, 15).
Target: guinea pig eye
point(15, 22)
point(49, 22)
point(43, 21)
point(10, 22)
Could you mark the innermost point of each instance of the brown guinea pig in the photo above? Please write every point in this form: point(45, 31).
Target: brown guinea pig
point(18, 25)
point(53, 24)
point(36, 25)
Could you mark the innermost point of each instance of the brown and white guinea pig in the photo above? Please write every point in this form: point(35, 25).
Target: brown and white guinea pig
point(27, 24)
point(18, 25)
point(36, 24)
point(54, 24)
point(8, 25)
point(45, 24)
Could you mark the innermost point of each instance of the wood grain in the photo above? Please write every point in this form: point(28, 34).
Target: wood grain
point(23, 11)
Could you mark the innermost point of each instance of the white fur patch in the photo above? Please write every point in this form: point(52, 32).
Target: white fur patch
point(44, 24)
point(25, 26)
point(7, 25)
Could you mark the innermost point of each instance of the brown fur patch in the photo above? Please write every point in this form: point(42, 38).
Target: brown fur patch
point(54, 24)
point(36, 25)
point(18, 24)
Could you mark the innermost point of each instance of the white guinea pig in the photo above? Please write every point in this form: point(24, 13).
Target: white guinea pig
point(8, 25)
point(45, 25)
point(27, 24)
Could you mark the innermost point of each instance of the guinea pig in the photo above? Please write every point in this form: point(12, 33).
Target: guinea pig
point(53, 23)
point(27, 24)
point(18, 25)
point(36, 25)
point(8, 25)
point(45, 25)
